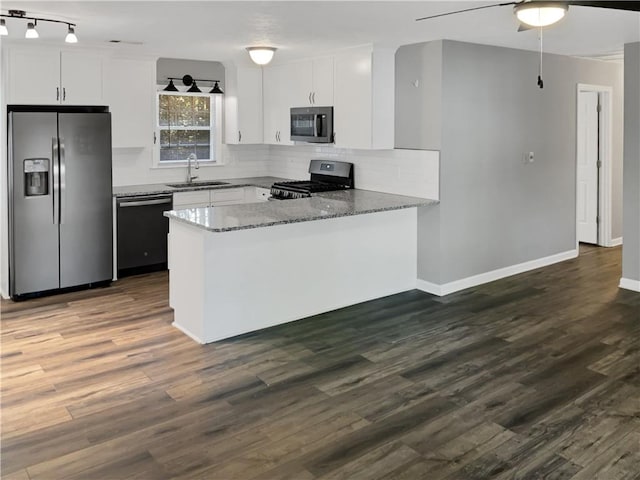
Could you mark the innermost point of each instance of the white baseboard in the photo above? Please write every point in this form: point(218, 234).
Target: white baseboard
point(457, 285)
point(629, 284)
point(615, 242)
point(187, 332)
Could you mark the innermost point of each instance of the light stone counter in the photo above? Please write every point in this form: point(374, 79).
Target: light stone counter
point(277, 212)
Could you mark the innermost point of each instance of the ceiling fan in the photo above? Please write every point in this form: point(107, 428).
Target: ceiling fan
point(542, 13)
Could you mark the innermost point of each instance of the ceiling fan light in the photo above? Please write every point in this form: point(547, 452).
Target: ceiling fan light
point(31, 31)
point(261, 55)
point(3, 28)
point(71, 35)
point(540, 14)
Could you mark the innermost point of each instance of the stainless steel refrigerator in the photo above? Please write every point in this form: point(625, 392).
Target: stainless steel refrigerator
point(60, 201)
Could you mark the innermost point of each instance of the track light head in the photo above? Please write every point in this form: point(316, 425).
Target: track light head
point(31, 30)
point(71, 35)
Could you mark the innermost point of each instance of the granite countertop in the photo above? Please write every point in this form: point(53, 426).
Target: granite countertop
point(277, 212)
point(158, 188)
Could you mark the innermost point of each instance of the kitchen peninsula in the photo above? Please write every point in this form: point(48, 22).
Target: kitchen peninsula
point(239, 268)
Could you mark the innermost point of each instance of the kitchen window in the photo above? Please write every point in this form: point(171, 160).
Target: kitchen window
point(187, 123)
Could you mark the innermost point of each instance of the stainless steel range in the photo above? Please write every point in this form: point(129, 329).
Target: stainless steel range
point(326, 176)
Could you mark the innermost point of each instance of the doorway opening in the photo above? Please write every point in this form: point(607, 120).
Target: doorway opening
point(593, 165)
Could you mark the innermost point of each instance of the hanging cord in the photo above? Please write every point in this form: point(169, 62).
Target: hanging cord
point(540, 82)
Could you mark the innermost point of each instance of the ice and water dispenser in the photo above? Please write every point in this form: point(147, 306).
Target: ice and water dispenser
point(36, 177)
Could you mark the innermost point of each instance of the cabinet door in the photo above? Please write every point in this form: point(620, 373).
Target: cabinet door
point(352, 98)
point(227, 196)
point(322, 89)
point(249, 109)
point(131, 102)
point(34, 76)
point(197, 198)
point(81, 78)
point(273, 93)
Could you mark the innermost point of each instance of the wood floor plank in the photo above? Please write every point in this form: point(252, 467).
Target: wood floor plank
point(532, 376)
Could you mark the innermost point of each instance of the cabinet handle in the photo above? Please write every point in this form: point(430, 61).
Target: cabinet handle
point(313, 96)
point(239, 136)
point(310, 101)
point(64, 94)
point(154, 138)
point(57, 93)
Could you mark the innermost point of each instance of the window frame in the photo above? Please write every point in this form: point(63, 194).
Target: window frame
point(215, 128)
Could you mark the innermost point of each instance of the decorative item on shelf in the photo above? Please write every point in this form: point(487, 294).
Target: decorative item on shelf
point(189, 81)
point(261, 55)
point(32, 22)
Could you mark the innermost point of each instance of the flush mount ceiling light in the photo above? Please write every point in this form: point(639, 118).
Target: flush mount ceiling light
point(261, 55)
point(540, 13)
point(31, 25)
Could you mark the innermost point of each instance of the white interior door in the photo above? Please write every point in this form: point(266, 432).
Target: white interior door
point(587, 195)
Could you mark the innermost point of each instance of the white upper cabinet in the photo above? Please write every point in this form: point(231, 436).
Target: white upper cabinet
point(322, 81)
point(81, 78)
point(364, 98)
point(279, 92)
point(129, 91)
point(43, 76)
point(243, 105)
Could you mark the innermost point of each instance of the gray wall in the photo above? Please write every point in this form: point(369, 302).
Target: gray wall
point(631, 206)
point(174, 67)
point(495, 210)
point(419, 96)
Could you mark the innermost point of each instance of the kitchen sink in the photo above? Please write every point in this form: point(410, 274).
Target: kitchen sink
point(196, 184)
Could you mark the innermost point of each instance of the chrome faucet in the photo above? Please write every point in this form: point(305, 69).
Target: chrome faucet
point(191, 157)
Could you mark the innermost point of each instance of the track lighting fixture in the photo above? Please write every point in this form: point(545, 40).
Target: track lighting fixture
point(32, 22)
point(189, 81)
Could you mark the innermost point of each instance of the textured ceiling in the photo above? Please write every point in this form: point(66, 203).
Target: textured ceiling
point(217, 30)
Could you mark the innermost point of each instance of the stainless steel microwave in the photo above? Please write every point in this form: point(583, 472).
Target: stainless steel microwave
point(312, 124)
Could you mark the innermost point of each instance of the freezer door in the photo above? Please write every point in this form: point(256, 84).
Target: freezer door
point(86, 218)
point(33, 229)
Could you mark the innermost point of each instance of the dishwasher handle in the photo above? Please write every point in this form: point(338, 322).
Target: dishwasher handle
point(137, 202)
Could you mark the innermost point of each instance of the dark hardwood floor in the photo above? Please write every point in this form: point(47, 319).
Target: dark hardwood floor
point(531, 377)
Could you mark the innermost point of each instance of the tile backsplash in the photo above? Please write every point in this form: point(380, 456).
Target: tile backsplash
point(403, 172)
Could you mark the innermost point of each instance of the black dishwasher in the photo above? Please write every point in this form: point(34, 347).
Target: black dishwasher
point(142, 233)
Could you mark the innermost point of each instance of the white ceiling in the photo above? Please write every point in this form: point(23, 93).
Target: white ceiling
point(219, 30)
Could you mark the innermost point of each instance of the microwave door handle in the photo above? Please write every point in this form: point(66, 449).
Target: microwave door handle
point(317, 120)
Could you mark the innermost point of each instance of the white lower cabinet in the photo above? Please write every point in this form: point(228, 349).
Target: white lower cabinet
point(198, 198)
point(212, 198)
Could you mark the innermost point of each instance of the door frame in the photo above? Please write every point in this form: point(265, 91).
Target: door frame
point(604, 155)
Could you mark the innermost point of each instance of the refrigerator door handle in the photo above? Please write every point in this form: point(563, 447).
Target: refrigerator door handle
point(63, 187)
point(56, 180)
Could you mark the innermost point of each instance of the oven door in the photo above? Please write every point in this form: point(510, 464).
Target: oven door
point(312, 125)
